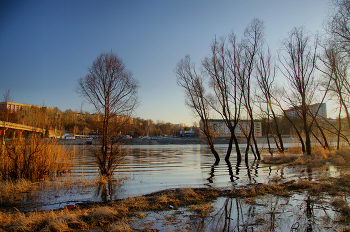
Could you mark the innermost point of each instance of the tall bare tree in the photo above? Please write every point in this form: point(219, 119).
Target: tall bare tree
point(196, 98)
point(298, 64)
point(230, 67)
point(266, 73)
point(112, 89)
point(227, 98)
point(252, 43)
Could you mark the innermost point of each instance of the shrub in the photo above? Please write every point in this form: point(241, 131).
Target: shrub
point(33, 159)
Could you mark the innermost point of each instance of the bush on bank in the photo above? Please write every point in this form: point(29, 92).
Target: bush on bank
point(32, 159)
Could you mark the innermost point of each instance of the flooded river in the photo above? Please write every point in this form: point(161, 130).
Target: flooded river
point(149, 168)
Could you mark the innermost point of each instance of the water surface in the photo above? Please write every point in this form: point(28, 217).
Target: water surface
point(149, 168)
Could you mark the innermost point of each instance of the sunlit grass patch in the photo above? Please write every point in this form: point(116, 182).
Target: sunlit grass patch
point(28, 222)
point(318, 157)
point(33, 159)
point(281, 158)
point(103, 214)
point(120, 227)
point(251, 201)
point(67, 222)
point(138, 203)
point(172, 199)
point(202, 210)
point(257, 190)
point(299, 185)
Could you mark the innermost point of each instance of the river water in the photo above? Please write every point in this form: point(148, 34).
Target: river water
point(149, 168)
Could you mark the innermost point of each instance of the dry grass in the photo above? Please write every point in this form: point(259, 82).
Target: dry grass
point(120, 227)
point(33, 159)
point(12, 191)
point(319, 157)
point(115, 216)
point(340, 157)
point(169, 199)
point(202, 210)
point(257, 190)
point(281, 158)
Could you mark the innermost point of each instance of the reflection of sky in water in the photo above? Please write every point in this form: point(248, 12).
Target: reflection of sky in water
point(150, 168)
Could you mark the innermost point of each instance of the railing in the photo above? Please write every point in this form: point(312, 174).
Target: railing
point(17, 126)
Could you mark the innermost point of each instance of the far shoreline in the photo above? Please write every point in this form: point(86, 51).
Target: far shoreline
point(168, 141)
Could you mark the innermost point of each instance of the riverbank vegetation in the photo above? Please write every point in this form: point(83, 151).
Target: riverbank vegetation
point(319, 157)
point(33, 159)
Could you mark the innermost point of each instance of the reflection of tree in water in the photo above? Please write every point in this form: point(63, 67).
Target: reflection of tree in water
point(309, 213)
point(235, 176)
point(108, 189)
point(301, 212)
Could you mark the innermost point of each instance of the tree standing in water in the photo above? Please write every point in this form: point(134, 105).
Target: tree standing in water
point(196, 99)
point(112, 89)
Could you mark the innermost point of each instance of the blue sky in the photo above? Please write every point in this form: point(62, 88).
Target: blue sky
point(45, 46)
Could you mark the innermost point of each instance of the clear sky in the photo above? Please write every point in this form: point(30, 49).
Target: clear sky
point(45, 46)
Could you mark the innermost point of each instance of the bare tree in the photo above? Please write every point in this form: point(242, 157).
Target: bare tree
point(230, 67)
point(335, 69)
point(298, 66)
point(338, 25)
point(227, 98)
point(111, 88)
point(266, 73)
point(252, 43)
point(336, 58)
point(196, 98)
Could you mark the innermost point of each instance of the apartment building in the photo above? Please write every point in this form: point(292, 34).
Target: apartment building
point(12, 107)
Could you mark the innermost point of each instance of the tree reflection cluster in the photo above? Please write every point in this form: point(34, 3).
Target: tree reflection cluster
point(299, 212)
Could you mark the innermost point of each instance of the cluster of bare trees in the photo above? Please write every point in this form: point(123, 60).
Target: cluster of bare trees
point(237, 81)
point(230, 70)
